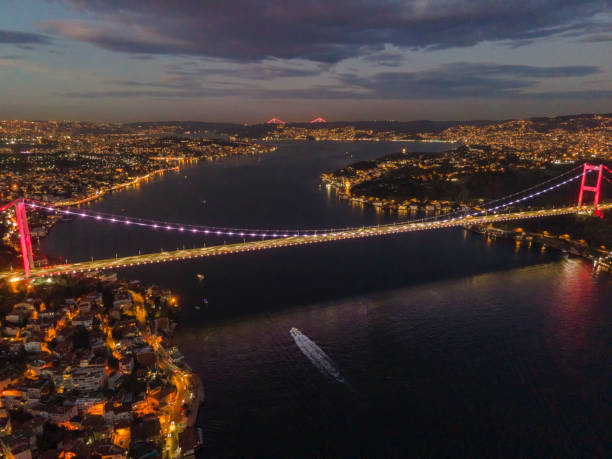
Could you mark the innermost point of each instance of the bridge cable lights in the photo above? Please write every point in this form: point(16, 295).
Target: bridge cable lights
point(252, 232)
point(326, 234)
point(256, 233)
point(102, 216)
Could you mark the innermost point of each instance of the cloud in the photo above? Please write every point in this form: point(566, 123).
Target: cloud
point(255, 93)
point(22, 38)
point(598, 38)
point(521, 71)
point(135, 39)
point(141, 57)
point(451, 81)
point(317, 30)
point(209, 78)
point(265, 70)
point(593, 94)
point(131, 93)
point(385, 58)
point(462, 79)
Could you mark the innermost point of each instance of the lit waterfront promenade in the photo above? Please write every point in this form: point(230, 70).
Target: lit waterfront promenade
point(368, 231)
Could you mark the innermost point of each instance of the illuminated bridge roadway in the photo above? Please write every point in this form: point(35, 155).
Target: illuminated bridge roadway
point(368, 231)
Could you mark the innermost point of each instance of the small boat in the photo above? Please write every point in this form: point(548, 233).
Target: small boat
point(205, 301)
point(197, 308)
point(315, 354)
point(200, 276)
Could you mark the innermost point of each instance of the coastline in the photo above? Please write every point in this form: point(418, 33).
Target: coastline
point(601, 259)
point(411, 207)
point(101, 193)
point(54, 219)
point(564, 245)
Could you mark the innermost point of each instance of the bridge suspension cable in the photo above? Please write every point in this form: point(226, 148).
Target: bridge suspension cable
point(271, 240)
point(279, 233)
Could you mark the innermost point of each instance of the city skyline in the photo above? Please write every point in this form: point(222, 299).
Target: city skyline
point(305, 228)
point(247, 62)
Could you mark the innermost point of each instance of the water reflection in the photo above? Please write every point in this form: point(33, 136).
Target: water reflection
point(485, 344)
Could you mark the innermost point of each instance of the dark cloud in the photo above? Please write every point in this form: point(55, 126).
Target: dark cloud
point(195, 77)
point(22, 38)
point(385, 58)
point(131, 93)
point(452, 81)
point(266, 70)
point(594, 95)
point(141, 57)
point(598, 38)
point(257, 93)
point(521, 71)
point(462, 80)
point(133, 40)
point(317, 30)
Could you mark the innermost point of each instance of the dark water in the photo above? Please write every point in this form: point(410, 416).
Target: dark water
point(451, 346)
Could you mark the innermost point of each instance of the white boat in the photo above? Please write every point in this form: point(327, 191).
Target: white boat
point(315, 354)
point(200, 276)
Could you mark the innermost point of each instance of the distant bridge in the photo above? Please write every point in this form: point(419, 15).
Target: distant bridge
point(279, 121)
point(275, 121)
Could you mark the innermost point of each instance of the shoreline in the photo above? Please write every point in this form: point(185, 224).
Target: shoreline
point(434, 207)
point(565, 246)
point(101, 193)
point(440, 208)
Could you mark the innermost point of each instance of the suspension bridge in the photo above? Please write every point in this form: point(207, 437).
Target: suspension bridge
point(262, 239)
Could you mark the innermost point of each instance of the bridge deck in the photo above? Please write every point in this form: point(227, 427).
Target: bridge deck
point(369, 231)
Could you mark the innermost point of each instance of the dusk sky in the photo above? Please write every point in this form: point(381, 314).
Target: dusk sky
point(247, 61)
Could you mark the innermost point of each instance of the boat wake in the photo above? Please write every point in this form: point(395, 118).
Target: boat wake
point(316, 355)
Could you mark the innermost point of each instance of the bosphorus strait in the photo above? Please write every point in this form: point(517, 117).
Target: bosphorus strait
point(496, 348)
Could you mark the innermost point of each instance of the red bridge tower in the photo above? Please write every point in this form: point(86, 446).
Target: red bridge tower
point(596, 189)
point(24, 233)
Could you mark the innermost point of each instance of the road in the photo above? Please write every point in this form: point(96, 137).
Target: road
point(172, 419)
point(369, 231)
